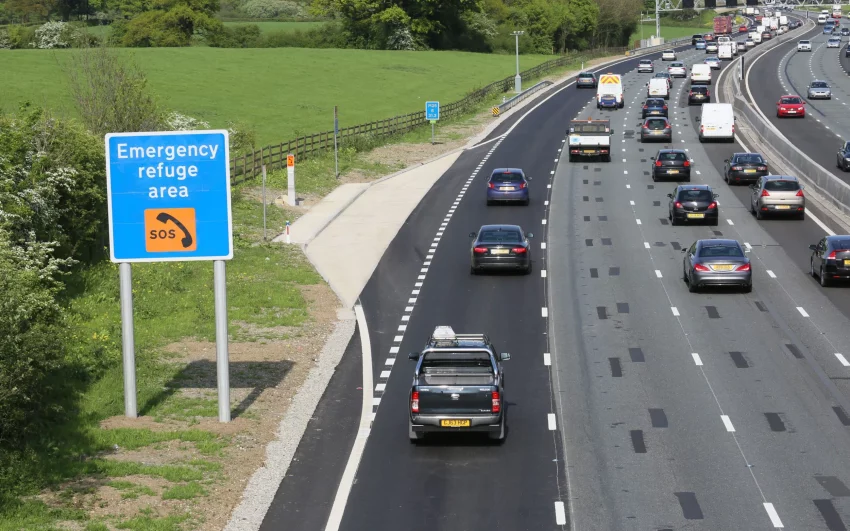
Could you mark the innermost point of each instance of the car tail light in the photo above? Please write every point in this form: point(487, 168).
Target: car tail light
point(414, 402)
point(657, 163)
point(677, 204)
point(708, 93)
point(491, 185)
point(691, 93)
point(736, 168)
point(800, 193)
point(745, 267)
point(702, 129)
point(733, 129)
point(665, 107)
point(700, 267)
point(764, 193)
point(687, 164)
point(713, 205)
point(646, 106)
point(831, 256)
point(522, 185)
point(519, 250)
point(479, 250)
point(496, 403)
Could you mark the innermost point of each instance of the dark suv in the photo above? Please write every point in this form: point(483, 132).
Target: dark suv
point(673, 163)
point(586, 80)
point(693, 202)
point(843, 156)
point(698, 95)
point(744, 168)
point(695, 38)
point(654, 107)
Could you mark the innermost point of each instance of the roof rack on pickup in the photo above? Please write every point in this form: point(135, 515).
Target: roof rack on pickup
point(445, 337)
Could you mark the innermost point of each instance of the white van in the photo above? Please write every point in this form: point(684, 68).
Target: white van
point(822, 18)
point(755, 36)
point(701, 74)
point(717, 122)
point(657, 88)
point(609, 91)
point(724, 51)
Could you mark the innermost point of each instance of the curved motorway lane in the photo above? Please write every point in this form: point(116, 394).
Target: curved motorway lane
point(748, 432)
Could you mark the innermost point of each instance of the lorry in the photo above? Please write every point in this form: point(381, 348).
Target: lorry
point(590, 138)
point(458, 386)
point(724, 51)
point(836, 10)
point(609, 91)
point(783, 21)
point(750, 11)
point(774, 24)
point(724, 24)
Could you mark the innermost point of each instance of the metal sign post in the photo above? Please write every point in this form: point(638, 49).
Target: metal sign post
point(432, 114)
point(264, 202)
point(336, 144)
point(290, 178)
point(168, 199)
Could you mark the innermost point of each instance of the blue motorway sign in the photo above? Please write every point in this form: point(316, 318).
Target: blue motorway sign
point(169, 196)
point(432, 110)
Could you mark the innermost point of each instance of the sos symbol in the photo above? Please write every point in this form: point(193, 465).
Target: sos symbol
point(162, 234)
point(170, 230)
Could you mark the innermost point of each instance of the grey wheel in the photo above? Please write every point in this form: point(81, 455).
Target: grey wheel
point(527, 270)
point(823, 280)
point(691, 286)
point(812, 268)
point(472, 270)
point(748, 289)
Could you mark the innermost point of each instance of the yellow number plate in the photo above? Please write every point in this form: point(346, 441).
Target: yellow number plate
point(590, 151)
point(455, 423)
point(723, 267)
point(846, 263)
point(505, 188)
point(499, 251)
point(782, 207)
point(749, 171)
point(672, 171)
point(696, 216)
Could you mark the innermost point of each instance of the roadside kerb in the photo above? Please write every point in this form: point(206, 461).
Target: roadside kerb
point(831, 192)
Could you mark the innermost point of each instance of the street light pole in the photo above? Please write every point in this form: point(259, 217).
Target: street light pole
point(657, 20)
point(517, 79)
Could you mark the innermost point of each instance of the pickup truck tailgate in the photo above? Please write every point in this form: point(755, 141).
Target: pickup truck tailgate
point(454, 400)
point(590, 141)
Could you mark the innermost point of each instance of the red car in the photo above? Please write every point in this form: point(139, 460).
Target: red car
point(742, 29)
point(708, 37)
point(790, 106)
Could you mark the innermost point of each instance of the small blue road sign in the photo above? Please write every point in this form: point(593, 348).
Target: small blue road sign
point(168, 195)
point(432, 110)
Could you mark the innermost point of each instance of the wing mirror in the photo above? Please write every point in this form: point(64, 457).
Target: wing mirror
point(692, 161)
point(504, 356)
point(471, 234)
point(684, 250)
point(651, 158)
point(813, 247)
point(726, 160)
point(697, 118)
point(529, 235)
point(715, 195)
point(612, 131)
point(670, 196)
point(413, 356)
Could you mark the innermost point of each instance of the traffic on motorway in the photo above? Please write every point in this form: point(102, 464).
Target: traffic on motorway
point(727, 417)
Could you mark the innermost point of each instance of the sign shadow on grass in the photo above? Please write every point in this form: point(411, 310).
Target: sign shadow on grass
point(248, 380)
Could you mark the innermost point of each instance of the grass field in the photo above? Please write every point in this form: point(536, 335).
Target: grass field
point(668, 32)
point(281, 92)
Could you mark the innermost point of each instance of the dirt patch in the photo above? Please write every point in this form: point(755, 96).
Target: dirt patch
point(265, 377)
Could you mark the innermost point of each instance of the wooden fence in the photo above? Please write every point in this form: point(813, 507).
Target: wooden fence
point(273, 157)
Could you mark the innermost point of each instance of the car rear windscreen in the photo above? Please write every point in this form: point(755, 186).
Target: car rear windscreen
point(588, 129)
point(506, 177)
point(449, 359)
point(695, 195)
point(672, 156)
point(720, 251)
point(782, 186)
point(840, 245)
point(749, 159)
point(656, 124)
point(702, 90)
point(590, 76)
point(499, 236)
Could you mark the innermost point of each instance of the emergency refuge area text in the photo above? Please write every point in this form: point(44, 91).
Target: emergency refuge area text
point(166, 163)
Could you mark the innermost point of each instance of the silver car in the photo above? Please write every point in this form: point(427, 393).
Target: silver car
point(833, 43)
point(716, 263)
point(819, 90)
point(804, 46)
point(711, 47)
point(646, 65)
point(668, 55)
point(777, 194)
point(713, 61)
point(677, 69)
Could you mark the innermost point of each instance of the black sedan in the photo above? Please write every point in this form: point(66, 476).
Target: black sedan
point(699, 94)
point(831, 259)
point(586, 80)
point(744, 168)
point(502, 247)
point(671, 163)
point(717, 263)
point(656, 129)
point(654, 107)
point(843, 156)
point(693, 203)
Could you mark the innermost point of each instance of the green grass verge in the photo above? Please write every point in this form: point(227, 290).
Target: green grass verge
point(282, 92)
point(186, 491)
point(150, 523)
point(130, 490)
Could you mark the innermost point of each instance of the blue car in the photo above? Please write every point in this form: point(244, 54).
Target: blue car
point(654, 107)
point(700, 45)
point(509, 185)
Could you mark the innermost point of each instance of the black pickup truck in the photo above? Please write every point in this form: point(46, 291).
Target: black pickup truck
point(458, 386)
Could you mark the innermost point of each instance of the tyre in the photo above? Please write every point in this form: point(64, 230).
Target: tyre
point(692, 287)
point(473, 271)
point(748, 289)
point(824, 282)
point(812, 268)
point(414, 437)
point(489, 203)
point(526, 202)
point(801, 216)
point(673, 221)
point(499, 435)
point(759, 215)
point(527, 270)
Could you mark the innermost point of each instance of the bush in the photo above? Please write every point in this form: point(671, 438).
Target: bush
point(20, 36)
point(330, 35)
point(32, 349)
point(284, 9)
point(52, 35)
point(241, 36)
point(152, 29)
point(175, 121)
